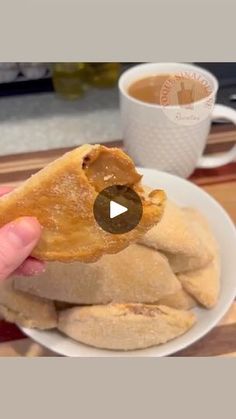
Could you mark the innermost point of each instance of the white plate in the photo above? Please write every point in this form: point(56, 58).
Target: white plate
point(185, 194)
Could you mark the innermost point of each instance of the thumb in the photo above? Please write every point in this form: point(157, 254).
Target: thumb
point(17, 240)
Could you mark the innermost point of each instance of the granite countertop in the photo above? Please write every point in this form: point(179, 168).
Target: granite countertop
point(46, 121)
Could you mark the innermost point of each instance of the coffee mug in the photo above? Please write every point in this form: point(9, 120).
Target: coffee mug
point(172, 137)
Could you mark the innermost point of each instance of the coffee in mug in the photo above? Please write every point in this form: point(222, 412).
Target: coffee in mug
point(184, 89)
point(166, 114)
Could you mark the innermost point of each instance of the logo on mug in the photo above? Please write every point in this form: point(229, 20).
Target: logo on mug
point(186, 97)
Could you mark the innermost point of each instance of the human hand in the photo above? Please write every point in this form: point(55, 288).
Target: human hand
point(17, 240)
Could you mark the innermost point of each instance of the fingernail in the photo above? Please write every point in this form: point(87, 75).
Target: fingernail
point(24, 231)
point(36, 267)
point(5, 190)
point(37, 270)
point(33, 270)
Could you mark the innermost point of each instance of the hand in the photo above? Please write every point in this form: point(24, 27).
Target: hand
point(17, 240)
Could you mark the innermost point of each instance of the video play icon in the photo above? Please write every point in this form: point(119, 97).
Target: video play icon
point(118, 209)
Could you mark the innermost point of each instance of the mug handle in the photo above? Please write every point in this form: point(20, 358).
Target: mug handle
point(220, 112)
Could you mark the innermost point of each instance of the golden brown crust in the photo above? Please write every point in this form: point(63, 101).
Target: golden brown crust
point(136, 274)
point(61, 197)
point(124, 326)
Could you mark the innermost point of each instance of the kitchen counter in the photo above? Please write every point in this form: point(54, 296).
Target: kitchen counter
point(46, 121)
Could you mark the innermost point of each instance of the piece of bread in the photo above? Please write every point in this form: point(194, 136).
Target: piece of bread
point(181, 263)
point(136, 274)
point(24, 309)
point(203, 284)
point(175, 236)
point(124, 326)
point(62, 195)
point(181, 300)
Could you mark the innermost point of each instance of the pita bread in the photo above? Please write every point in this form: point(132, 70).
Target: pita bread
point(62, 195)
point(175, 236)
point(202, 228)
point(137, 274)
point(180, 263)
point(124, 326)
point(203, 284)
point(180, 300)
point(26, 310)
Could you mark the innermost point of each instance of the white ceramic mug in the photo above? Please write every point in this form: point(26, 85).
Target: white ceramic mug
point(171, 138)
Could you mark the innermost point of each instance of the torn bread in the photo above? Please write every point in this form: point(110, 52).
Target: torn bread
point(26, 310)
point(136, 274)
point(124, 326)
point(61, 196)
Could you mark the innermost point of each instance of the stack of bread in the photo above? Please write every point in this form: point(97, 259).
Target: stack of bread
point(140, 297)
point(117, 291)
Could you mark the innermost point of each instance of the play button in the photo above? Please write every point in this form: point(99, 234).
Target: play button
point(118, 209)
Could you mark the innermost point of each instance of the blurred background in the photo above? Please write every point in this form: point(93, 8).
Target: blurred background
point(46, 106)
